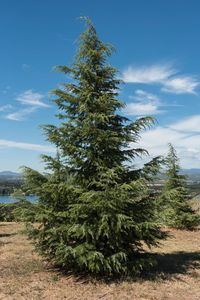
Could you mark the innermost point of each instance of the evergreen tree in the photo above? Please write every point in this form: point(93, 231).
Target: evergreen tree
point(178, 212)
point(174, 178)
point(99, 211)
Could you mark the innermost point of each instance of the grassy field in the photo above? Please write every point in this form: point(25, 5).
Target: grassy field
point(23, 275)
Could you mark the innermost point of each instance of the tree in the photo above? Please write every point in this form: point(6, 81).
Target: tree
point(178, 212)
point(99, 210)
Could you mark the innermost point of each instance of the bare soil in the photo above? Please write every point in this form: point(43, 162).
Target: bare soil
point(23, 274)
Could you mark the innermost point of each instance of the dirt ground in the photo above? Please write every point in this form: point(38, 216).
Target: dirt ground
point(23, 275)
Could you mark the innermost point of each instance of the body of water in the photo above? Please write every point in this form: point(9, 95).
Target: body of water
point(10, 199)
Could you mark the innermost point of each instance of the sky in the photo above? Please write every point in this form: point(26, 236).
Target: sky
point(157, 48)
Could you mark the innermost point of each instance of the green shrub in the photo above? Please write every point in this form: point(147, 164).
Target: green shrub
point(23, 211)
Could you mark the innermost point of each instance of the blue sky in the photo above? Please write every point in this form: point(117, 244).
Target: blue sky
point(157, 53)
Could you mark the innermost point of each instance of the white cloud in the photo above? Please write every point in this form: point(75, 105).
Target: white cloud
point(5, 107)
point(144, 104)
point(181, 85)
point(26, 146)
point(31, 98)
point(165, 75)
point(191, 124)
point(141, 95)
point(151, 74)
point(20, 115)
point(183, 135)
point(139, 109)
point(31, 101)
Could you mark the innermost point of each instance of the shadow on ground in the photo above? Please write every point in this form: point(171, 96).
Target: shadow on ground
point(2, 235)
point(172, 264)
point(168, 266)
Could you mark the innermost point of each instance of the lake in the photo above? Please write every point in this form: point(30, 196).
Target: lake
point(10, 199)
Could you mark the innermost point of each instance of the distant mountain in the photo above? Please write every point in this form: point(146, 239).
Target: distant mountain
point(9, 174)
point(191, 171)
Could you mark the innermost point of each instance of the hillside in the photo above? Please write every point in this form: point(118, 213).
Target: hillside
point(9, 174)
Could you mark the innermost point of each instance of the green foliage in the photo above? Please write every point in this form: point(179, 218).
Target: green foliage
point(22, 210)
point(26, 211)
point(98, 211)
point(19, 211)
point(6, 212)
point(177, 211)
point(174, 179)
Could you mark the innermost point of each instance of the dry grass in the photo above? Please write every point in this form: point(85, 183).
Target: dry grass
point(23, 275)
point(195, 203)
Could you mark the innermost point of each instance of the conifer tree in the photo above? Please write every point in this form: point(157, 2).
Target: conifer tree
point(178, 212)
point(100, 211)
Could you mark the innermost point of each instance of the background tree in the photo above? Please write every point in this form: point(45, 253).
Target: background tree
point(99, 210)
point(178, 212)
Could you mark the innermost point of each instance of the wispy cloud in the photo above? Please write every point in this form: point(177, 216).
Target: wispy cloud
point(20, 115)
point(165, 75)
point(26, 146)
point(148, 74)
point(144, 104)
point(30, 102)
point(139, 109)
point(5, 107)
point(191, 124)
point(184, 135)
point(142, 95)
point(181, 85)
point(6, 89)
point(31, 98)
